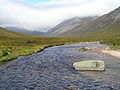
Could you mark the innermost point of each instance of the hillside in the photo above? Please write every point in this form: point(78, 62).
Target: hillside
point(22, 30)
point(68, 25)
point(105, 26)
point(15, 44)
point(10, 34)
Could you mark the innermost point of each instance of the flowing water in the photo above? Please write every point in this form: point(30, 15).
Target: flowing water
point(52, 69)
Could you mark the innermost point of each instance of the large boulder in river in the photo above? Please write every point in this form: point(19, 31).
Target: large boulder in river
point(95, 65)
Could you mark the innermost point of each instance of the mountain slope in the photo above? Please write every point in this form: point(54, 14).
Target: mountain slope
point(106, 25)
point(109, 23)
point(68, 25)
point(22, 30)
point(10, 34)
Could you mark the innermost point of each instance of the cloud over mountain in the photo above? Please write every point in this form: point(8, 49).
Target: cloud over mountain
point(48, 14)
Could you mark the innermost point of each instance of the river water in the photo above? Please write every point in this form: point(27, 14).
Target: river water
point(52, 69)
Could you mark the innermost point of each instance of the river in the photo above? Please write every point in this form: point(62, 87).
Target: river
point(51, 69)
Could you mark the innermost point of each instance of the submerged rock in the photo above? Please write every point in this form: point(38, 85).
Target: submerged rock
point(95, 65)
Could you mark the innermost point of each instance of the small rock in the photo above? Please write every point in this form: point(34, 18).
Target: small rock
point(95, 65)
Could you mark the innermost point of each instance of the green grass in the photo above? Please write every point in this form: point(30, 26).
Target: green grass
point(109, 37)
point(83, 49)
point(13, 48)
point(13, 44)
point(9, 34)
point(114, 42)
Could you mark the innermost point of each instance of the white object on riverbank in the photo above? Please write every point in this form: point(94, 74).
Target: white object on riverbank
point(94, 65)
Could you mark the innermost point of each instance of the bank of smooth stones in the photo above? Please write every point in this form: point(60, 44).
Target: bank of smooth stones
point(95, 65)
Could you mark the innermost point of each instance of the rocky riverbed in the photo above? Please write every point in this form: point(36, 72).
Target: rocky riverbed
point(52, 69)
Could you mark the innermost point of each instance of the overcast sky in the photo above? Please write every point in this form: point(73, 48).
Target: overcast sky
point(34, 14)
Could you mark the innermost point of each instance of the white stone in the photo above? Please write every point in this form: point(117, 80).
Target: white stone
point(95, 65)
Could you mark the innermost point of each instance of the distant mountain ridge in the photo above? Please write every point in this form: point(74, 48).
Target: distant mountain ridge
point(10, 34)
point(22, 30)
point(108, 23)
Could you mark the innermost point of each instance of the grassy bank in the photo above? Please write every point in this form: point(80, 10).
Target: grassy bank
point(12, 48)
point(109, 38)
point(113, 42)
point(13, 44)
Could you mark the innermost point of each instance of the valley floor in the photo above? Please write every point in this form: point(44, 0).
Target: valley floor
point(52, 69)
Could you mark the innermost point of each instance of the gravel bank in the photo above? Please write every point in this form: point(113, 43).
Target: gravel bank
point(112, 52)
point(105, 51)
point(52, 69)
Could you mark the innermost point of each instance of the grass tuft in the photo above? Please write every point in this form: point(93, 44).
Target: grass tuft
point(83, 49)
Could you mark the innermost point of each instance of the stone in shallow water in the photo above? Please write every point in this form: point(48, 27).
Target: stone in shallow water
point(95, 65)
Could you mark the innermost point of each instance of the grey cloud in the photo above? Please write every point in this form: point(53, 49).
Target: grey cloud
point(48, 14)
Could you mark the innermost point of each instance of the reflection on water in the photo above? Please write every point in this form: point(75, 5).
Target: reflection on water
point(114, 68)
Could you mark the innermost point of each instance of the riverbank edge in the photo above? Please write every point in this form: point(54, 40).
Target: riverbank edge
point(107, 50)
point(41, 49)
